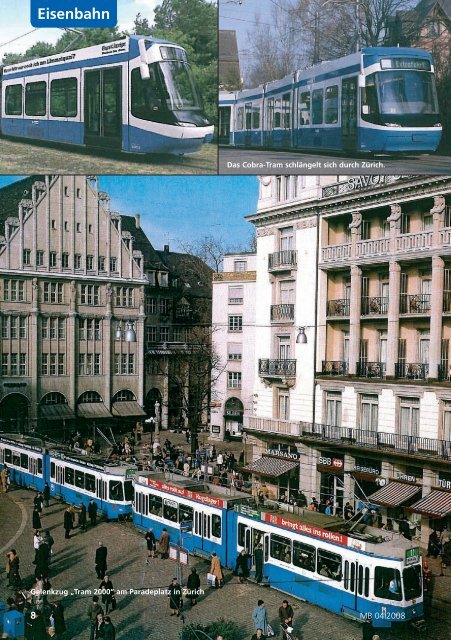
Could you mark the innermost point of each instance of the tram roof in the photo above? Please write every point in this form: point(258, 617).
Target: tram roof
point(20, 440)
point(95, 462)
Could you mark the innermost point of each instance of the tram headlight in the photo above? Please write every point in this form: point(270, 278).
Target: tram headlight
point(392, 124)
point(438, 124)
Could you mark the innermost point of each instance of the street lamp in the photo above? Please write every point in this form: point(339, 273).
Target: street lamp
point(301, 337)
point(128, 334)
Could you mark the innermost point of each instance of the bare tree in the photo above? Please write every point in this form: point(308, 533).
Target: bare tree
point(210, 249)
point(374, 16)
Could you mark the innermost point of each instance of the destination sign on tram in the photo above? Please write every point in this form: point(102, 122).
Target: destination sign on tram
point(420, 64)
point(181, 492)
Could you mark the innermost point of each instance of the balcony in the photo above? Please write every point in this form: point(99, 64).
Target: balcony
point(375, 247)
point(370, 369)
point(414, 241)
point(352, 438)
point(282, 312)
point(336, 253)
point(447, 302)
point(374, 306)
point(276, 368)
point(444, 372)
point(338, 308)
point(282, 260)
point(411, 371)
point(417, 303)
point(334, 368)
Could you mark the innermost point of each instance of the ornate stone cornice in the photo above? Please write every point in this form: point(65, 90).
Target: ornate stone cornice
point(305, 224)
point(234, 276)
point(265, 231)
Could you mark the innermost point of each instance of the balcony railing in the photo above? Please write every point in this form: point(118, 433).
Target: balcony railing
point(374, 306)
point(335, 252)
point(416, 303)
point(447, 302)
point(280, 312)
point(409, 241)
point(334, 368)
point(376, 247)
point(370, 369)
point(444, 372)
point(277, 368)
point(338, 307)
point(411, 370)
point(351, 437)
point(282, 259)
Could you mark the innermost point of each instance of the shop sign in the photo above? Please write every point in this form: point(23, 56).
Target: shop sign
point(280, 453)
point(406, 477)
point(412, 555)
point(215, 429)
point(444, 484)
point(246, 510)
point(370, 470)
point(336, 463)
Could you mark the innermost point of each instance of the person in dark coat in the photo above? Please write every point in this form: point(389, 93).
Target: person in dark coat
point(94, 610)
point(14, 569)
point(99, 627)
point(38, 501)
point(46, 494)
point(47, 538)
point(82, 517)
point(286, 614)
point(109, 632)
point(258, 554)
point(163, 545)
point(175, 597)
point(193, 585)
point(42, 561)
point(58, 619)
point(434, 544)
point(101, 566)
point(38, 625)
point(107, 590)
point(68, 523)
point(92, 513)
point(242, 566)
point(36, 519)
point(151, 544)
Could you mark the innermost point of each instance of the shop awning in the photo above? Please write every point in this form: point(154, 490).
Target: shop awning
point(92, 410)
point(273, 467)
point(437, 504)
point(394, 494)
point(56, 412)
point(126, 409)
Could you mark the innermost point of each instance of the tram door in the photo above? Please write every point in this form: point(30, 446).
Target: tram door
point(224, 125)
point(59, 479)
point(349, 114)
point(102, 490)
point(356, 583)
point(103, 108)
point(270, 122)
point(252, 538)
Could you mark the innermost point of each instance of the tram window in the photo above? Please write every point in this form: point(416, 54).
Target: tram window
point(241, 532)
point(304, 109)
point(52, 469)
point(63, 98)
point(329, 565)
point(256, 118)
point(155, 505)
point(369, 97)
point(40, 465)
point(90, 483)
point(7, 455)
point(129, 491)
point(346, 580)
point(16, 458)
point(36, 99)
point(331, 105)
point(24, 461)
point(116, 490)
point(277, 115)
point(286, 104)
point(216, 526)
point(412, 582)
point(68, 475)
point(360, 581)
point(367, 582)
point(387, 583)
point(185, 513)
point(248, 117)
point(317, 106)
point(280, 548)
point(13, 100)
point(352, 584)
point(240, 118)
point(79, 479)
point(170, 510)
point(146, 100)
point(304, 556)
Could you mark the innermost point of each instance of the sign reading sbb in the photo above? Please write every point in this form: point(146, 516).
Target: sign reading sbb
point(73, 13)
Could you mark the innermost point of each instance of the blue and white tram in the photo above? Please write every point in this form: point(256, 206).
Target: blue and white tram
point(381, 99)
point(25, 459)
point(76, 478)
point(162, 504)
point(136, 94)
point(359, 575)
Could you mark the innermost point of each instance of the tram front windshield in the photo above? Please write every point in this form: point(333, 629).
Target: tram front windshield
point(129, 493)
point(178, 84)
point(412, 582)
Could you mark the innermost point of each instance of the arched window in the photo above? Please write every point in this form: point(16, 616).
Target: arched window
point(54, 397)
point(124, 396)
point(89, 396)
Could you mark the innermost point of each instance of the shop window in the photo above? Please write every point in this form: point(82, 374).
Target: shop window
point(280, 548)
point(329, 565)
point(387, 583)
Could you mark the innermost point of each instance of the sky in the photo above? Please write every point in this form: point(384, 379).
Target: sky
point(241, 18)
point(15, 21)
point(176, 210)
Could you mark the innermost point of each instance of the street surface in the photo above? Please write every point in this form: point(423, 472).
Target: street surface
point(263, 162)
point(22, 158)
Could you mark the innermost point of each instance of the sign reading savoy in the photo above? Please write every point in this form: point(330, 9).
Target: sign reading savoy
point(359, 183)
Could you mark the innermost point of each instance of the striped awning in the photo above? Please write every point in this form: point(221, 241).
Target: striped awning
point(92, 410)
point(272, 467)
point(437, 504)
point(126, 409)
point(394, 494)
point(56, 412)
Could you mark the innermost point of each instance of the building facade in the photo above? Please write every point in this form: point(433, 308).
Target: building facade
point(234, 342)
point(357, 317)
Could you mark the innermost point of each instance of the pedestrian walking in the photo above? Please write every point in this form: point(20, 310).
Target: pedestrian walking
point(193, 586)
point(163, 545)
point(242, 566)
point(99, 626)
point(38, 626)
point(47, 538)
point(101, 555)
point(109, 632)
point(258, 635)
point(5, 477)
point(68, 523)
point(216, 570)
point(286, 615)
point(42, 561)
point(82, 517)
point(36, 519)
point(175, 597)
point(258, 555)
point(14, 569)
point(38, 501)
point(94, 610)
point(59, 624)
point(260, 617)
point(107, 591)
point(37, 541)
point(46, 494)
point(151, 544)
point(92, 513)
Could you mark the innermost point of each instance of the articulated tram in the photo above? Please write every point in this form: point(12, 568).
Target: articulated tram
point(379, 100)
point(137, 95)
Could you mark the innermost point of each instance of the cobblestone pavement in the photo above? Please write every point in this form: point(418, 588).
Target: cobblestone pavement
point(140, 617)
point(24, 158)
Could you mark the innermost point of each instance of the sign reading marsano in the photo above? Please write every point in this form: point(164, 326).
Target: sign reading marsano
point(359, 183)
point(279, 453)
point(182, 493)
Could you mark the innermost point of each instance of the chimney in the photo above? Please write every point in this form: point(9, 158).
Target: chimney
point(166, 248)
point(138, 221)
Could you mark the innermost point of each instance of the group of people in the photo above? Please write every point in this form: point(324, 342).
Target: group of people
point(439, 545)
point(263, 628)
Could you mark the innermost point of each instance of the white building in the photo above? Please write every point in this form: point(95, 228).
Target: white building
point(233, 343)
